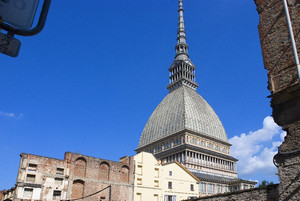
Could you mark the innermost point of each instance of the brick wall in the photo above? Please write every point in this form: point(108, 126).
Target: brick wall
point(275, 42)
point(284, 87)
point(89, 175)
point(74, 177)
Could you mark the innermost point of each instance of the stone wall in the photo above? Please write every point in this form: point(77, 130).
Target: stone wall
point(268, 193)
point(284, 87)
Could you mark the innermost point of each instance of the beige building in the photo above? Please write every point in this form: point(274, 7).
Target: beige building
point(162, 182)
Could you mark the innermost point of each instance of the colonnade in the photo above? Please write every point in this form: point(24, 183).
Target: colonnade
point(201, 159)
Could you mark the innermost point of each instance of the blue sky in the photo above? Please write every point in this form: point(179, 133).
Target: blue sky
point(91, 79)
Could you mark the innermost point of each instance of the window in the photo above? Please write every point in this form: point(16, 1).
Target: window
point(217, 148)
point(202, 188)
point(58, 181)
point(158, 149)
point(167, 145)
point(56, 195)
point(139, 170)
point(156, 183)
point(139, 197)
point(224, 150)
point(156, 172)
point(169, 185)
point(193, 141)
point(202, 143)
point(59, 171)
point(219, 189)
point(28, 193)
point(177, 141)
point(226, 189)
point(30, 178)
point(192, 187)
point(139, 181)
point(170, 197)
point(32, 167)
point(170, 173)
point(155, 197)
point(209, 145)
point(210, 188)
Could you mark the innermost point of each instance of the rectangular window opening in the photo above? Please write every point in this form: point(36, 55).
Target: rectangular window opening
point(56, 195)
point(58, 181)
point(59, 171)
point(32, 167)
point(30, 178)
point(156, 183)
point(169, 185)
point(192, 187)
point(28, 193)
point(139, 181)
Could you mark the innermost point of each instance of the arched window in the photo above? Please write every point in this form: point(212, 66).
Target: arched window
point(125, 174)
point(104, 171)
point(80, 167)
point(78, 189)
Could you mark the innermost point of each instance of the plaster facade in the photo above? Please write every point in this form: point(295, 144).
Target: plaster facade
point(167, 182)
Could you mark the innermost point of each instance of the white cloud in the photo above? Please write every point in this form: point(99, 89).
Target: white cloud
point(10, 115)
point(255, 150)
point(7, 114)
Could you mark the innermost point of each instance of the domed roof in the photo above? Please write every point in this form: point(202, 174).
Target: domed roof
point(182, 109)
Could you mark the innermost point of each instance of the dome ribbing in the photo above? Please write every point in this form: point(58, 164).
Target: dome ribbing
point(182, 109)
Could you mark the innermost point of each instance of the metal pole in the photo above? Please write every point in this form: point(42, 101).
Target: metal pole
point(292, 37)
point(109, 193)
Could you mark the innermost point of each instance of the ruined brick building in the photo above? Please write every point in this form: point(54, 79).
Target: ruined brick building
point(76, 176)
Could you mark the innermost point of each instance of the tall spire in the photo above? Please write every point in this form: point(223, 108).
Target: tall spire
point(181, 47)
point(182, 71)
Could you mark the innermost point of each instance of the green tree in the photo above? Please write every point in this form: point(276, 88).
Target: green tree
point(265, 183)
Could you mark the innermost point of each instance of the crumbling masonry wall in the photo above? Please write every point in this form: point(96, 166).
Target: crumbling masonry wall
point(75, 177)
point(284, 87)
point(89, 175)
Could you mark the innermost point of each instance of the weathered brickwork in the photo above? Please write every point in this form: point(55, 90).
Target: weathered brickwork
point(89, 175)
point(279, 61)
point(284, 87)
point(77, 176)
point(275, 42)
point(269, 193)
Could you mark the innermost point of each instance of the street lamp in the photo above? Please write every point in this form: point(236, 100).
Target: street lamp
point(16, 18)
